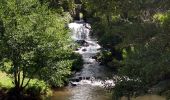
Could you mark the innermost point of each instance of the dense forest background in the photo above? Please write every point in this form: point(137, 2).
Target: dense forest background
point(36, 51)
point(135, 34)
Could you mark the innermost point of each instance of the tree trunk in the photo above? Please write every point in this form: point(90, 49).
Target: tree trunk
point(108, 20)
point(128, 97)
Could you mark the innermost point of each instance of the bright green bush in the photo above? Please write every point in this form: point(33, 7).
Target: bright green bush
point(37, 88)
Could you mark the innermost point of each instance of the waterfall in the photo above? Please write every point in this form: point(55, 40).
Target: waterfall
point(89, 47)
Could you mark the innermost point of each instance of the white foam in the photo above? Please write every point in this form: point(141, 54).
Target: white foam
point(100, 83)
point(79, 31)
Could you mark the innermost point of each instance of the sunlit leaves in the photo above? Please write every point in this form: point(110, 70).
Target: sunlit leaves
point(35, 40)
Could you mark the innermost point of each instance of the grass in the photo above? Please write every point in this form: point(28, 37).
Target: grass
point(35, 87)
point(5, 81)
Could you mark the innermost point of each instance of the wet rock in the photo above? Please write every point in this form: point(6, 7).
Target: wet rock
point(75, 80)
point(73, 84)
point(87, 62)
point(94, 57)
point(87, 78)
point(82, 43)
point(84, 50)
point(80, 78)
point(77, 49)
point(86, 44)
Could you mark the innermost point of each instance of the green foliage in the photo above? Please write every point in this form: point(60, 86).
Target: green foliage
point(140, 29)
point(104, 57)
point(77, 62)
point(61, 6)
point(160, 17)
point(37, 88)
point(129, 88)
point(34, 88)
point(5, 81)
point(34, 44)
point(57, 74)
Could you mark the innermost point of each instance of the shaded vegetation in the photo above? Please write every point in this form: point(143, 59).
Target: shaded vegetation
point(134, 33)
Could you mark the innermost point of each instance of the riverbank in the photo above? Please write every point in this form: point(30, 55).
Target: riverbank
point(35, 90)
point(146, 97)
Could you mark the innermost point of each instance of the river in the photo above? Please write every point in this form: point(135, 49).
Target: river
point(93, 82)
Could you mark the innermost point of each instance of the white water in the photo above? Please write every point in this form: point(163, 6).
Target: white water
point(91, 70)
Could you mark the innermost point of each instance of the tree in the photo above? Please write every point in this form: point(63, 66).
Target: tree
point(34, 40)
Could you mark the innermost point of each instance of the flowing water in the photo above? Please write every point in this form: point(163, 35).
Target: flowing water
point(93, 81)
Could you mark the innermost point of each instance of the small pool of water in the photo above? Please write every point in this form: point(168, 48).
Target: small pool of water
point(81, 93)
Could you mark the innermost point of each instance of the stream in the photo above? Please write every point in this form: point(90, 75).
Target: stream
point(93, 82)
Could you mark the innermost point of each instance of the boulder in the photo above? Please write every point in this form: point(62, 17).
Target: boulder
point(84, 50)
point(82, 43)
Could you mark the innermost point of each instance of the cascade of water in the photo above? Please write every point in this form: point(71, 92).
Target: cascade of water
point(92, 71)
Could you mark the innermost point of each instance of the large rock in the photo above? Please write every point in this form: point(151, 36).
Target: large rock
point(84, 50)
point(82, 43)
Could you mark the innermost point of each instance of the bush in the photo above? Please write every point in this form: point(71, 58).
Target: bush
point(37, 88)
point(77, 63)
point(104, 57)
